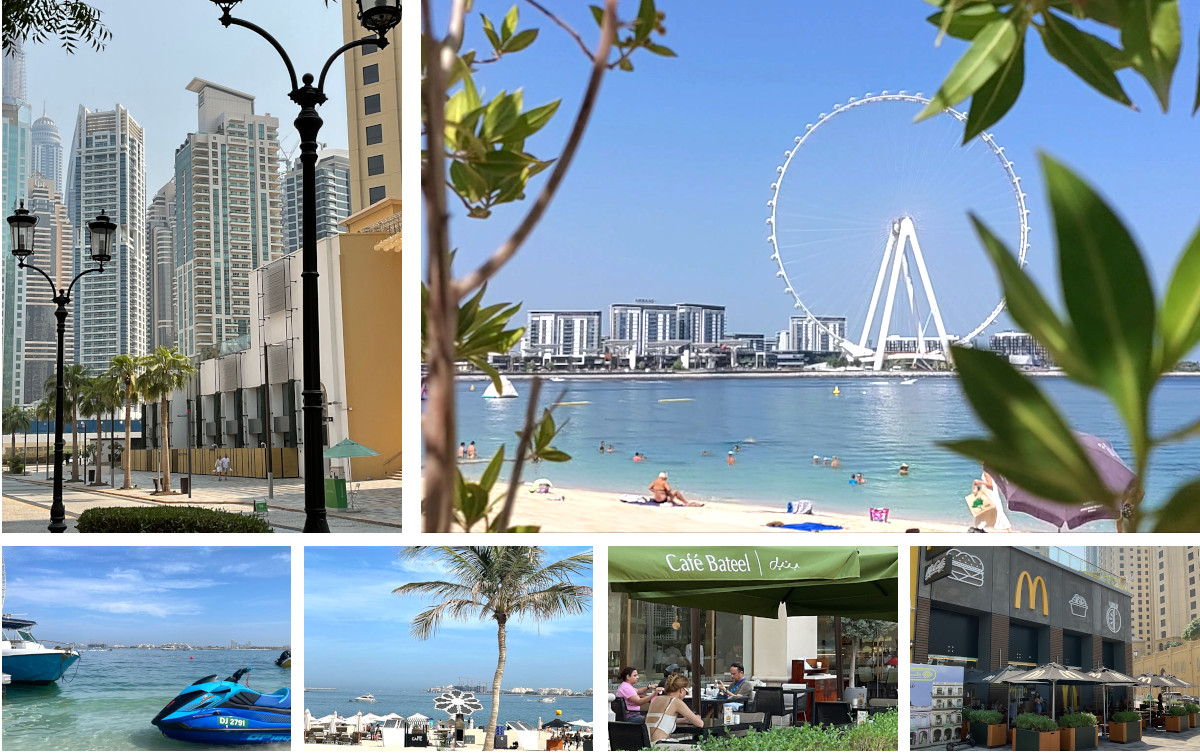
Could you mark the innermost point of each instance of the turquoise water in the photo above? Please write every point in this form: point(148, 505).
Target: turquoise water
point(780, 423)
point(106, 700)
point(512, 707)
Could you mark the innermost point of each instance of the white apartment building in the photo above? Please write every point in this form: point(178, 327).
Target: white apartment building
point(52, 253)
point(333, 197)
point(561, 333)
point(807, 333)
point(47, 150)
point(160, 236)
point(643, 325)
point(701, 323)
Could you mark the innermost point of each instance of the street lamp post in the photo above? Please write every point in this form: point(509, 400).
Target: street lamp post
point(379, 16)
point(102, 231)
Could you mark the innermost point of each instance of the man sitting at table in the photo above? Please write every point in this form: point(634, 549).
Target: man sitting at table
point(740, 689)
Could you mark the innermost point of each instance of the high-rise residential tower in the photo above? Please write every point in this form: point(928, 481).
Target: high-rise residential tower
point(17, 117)
point(1163, 581)
point(333, 197)
point(107, 174)
point(227, 215)
point(373, 112)
point(160, 237)
point(14, 71)
point(47, 151)
point(52, 252)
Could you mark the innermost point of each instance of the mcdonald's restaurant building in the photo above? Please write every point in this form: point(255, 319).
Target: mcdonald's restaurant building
point(985, 608)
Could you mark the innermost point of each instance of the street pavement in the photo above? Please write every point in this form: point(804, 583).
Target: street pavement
point(1188, 741)
point(374, 506)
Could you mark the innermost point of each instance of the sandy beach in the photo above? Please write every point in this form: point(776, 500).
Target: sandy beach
point(576, 510)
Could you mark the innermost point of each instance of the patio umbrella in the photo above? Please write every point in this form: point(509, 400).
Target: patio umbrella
point(579, 722)
point(1178, 682)
point(1110, 678)
point(1113, 472)
point(457, 702)
point(348, 449)
point(556, 723)
point(307, 719)
point(1052, 673)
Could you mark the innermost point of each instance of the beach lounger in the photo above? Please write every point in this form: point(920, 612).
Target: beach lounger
point(809, 527)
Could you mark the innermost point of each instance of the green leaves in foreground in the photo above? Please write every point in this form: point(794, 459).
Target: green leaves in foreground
point(481, 331)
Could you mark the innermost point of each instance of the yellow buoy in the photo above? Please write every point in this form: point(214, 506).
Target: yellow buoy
point(836, 392)
point(472, 387)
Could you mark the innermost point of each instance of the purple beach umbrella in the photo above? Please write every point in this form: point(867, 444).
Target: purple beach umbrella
point(1113, 472)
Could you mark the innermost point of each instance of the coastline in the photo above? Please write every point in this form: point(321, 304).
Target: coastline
point(477, 377)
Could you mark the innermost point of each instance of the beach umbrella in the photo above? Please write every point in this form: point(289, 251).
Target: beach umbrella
point(556, 723)
point(307, 719)
point(348, 449)
point(1110, 678)
point(1113, 472)
point(1052, 673)
point(579, 722)
point(1178, 682)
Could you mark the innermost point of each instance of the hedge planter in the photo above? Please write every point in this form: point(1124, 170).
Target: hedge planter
point(985, 735)
point(1192, 720)
point(1036, 740)
point(1078, 738)
point(1130, 731)
point(1177, 723)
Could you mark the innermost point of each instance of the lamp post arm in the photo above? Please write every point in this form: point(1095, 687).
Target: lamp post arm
point(227, 19)
point(378, 41)
point(49, 280)
point(77, 277)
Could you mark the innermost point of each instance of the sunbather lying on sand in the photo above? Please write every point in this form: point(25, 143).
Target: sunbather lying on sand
point(663, 493)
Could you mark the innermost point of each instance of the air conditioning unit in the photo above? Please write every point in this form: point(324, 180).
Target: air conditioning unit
point(210, 428)
point(231, 427)
point(254, 426)
point(280, 424)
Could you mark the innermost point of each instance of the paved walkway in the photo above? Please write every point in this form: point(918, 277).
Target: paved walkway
point(375, 505)
point(1188, 741)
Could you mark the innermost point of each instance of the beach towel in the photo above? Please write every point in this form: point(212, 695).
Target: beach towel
point(640, 500)
point(810, 527)
point(803, 506)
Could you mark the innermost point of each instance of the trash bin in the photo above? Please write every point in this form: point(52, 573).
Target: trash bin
point(185, 485)
point(335, 493)
point(91, 476)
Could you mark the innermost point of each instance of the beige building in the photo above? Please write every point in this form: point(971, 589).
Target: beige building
point(1182, 660)
point(1163, 583)
point(372, 114)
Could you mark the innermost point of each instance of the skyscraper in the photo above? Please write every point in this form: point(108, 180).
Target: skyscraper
point(52, 252)
point(1163, 582)
point(17, 154)
point(227, 215)
point(47, 151)
point(160, 237)
point(107, 174)
point(14, 71)
point(373, 114)
point(333, 197)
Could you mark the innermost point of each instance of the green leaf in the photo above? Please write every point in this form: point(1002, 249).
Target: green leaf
point(598, 14)
point(1107, 12)
point(1031, 310)
point(467, 182)
point(509, 25)
point(553, 454)
point(997, 95)
point(1033, 445)
point(966, 23)
point(1150, 33)
point(665, 52)
point(524, 528)
point(501, 115)
point(488, 479)
point(490, 31)
point(624, 64)
point(1182, 512)
point(992, 46)
point(520, 40)
point(1181, 307)
point(1114, 57)
point(1107, 292)
point(1073, 48)
point(644, 24)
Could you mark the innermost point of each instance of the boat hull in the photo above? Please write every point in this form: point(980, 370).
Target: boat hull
point(38, 668)
point(228, 726)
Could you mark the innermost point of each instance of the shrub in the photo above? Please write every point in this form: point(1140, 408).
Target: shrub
point(989, 717)
point(1036, 722)
point(1125, 716)
point(15, 464)
point(879, 733)
point(167, 519)
point(1075, 720)
point(1191, 707)
point(1177, 710)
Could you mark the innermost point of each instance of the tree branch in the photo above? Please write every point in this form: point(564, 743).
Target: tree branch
point(563, 24)
point(510, 496)
point(454, 36)
point(505, 252)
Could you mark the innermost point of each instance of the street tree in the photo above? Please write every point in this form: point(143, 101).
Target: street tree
point(164, 371)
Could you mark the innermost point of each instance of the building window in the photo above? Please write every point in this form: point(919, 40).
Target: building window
point(374, 134)
point(369, 48)
point(371, 73)
point(371, 104)
point(1162, 612)
point(376, 194)
point(374, 165)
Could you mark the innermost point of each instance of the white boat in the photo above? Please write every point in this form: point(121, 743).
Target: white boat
point(547, 700)
point(910, 381)
point(367, 698)
point(28, 661)
point(506, 389)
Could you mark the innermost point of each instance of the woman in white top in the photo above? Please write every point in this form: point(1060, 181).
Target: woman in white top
point(664, 711)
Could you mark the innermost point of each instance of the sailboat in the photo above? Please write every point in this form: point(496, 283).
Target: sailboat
point(506, 389)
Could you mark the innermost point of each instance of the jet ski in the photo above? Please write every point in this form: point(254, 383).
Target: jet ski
point(227, 712)
point(284, 660)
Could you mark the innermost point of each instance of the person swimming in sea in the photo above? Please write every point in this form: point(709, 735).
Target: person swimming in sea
point(903, 470)
point(816, 460)
point(835, 462)
point(637, 456)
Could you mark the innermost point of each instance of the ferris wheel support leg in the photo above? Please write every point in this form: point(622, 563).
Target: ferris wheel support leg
point(881, 346)
point(887, 254)
point(912, 305)
point(907, 229)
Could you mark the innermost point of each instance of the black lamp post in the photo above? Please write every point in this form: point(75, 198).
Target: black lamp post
point(102, 231)
point(379, 16)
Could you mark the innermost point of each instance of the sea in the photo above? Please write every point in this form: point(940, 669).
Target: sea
point(405, 702)
point(107, 699)
point(778, 425)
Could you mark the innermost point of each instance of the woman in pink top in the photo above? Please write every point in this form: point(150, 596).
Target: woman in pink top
point(634, 697)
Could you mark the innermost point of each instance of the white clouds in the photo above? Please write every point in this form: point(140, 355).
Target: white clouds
point(157, 609)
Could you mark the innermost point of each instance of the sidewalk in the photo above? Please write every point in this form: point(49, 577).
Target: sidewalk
point(1188, 741)
point(376, 506)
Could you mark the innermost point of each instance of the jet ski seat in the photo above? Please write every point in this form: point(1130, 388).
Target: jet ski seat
point(280, 698)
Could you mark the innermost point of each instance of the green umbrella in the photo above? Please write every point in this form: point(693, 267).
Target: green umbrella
point(809, 580)
point(348, 449)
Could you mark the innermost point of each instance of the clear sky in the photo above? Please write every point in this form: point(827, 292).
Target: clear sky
point(356, 630)
point(131, 596)
point(667, 196)
point(158, 47)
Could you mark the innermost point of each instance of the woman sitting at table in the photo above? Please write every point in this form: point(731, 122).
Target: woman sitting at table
point(663, 712)
point(632, 696)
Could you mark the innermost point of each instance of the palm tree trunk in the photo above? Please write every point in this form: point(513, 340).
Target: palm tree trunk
point(166, 445)
point(74, 444)
point(125, 455)
point(489, 739)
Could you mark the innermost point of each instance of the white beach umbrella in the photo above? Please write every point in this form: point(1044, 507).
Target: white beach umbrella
point(392, 717)
point(307, 719)
point(417, 718)
point(578, 722)
point(371, 718)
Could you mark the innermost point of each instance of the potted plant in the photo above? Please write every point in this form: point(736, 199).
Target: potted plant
point(965, 718)
point(1125, 726)
point(1192, 710)
point(1177, 718)
point(987, 728)
point(1077, 731)
point(1036, 732)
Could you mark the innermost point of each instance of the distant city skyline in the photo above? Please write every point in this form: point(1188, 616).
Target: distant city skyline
point(357, 631)
point(139, 595)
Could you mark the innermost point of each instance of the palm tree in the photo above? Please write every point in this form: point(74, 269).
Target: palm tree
point(124, 369)
point(500, 583)
point(102, 396)
point(44, 412)
point(17, 419)
point(163, 372)
point(75, 380)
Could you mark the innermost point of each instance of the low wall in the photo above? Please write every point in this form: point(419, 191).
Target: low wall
point(243, 462)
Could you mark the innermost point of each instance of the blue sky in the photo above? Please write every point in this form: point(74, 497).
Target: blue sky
point(667, 195)
point(158, 47)
point(356, 630)
point(129, 596)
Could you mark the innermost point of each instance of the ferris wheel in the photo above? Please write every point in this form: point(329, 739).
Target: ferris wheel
point(876, 200)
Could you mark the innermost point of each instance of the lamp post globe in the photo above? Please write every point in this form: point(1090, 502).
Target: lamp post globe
point(21, 224)
point(379, 16)
point(103, 230)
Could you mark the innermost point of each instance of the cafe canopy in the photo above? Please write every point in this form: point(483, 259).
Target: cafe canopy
point(808, 580)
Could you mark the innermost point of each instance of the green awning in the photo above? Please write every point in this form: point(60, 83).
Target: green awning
point(809, 581)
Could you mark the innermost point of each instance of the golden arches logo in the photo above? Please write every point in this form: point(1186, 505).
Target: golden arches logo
point(1033, 583)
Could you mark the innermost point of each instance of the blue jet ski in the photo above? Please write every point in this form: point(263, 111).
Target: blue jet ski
point(227, 713)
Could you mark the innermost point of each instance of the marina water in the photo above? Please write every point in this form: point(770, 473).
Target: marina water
point(874, 425)
point(107, 699)
point(525, 708)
